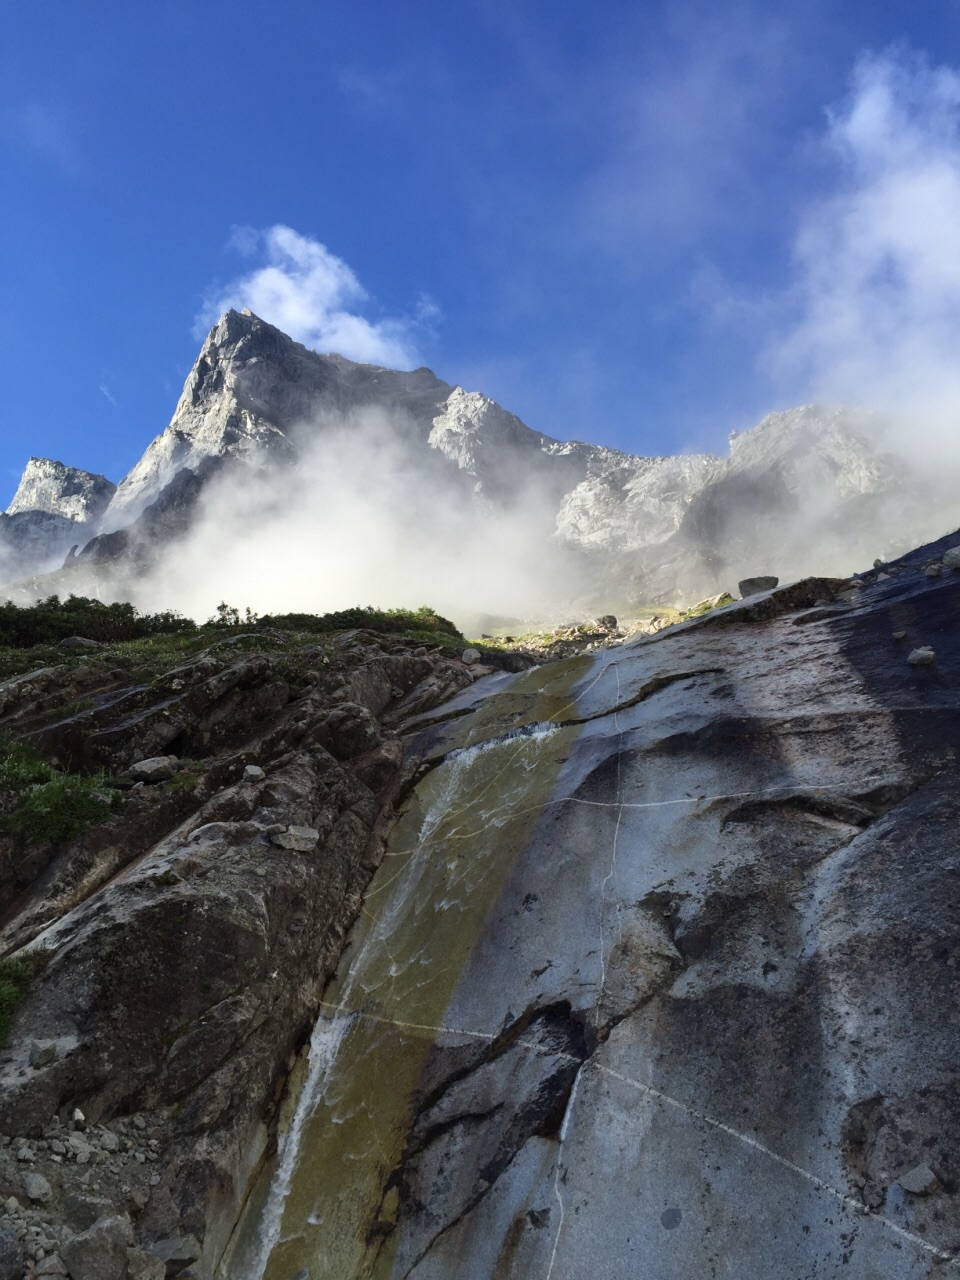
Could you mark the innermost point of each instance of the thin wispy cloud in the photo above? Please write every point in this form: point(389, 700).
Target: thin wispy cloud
point(315, 297)
point(874, 309)
point(40, 128)
point(106, 392)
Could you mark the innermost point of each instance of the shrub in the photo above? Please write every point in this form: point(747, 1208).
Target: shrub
point(51, 620)
point(15, 975)
point(58, 809)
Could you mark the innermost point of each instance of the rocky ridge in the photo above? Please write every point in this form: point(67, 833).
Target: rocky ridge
point(808, 487)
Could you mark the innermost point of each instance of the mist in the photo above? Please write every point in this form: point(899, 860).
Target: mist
point(360, 518)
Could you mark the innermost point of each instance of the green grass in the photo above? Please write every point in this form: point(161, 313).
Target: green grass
point(42, 805)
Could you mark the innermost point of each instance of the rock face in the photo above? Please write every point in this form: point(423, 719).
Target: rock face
point(809, 486)
point(55, 507)
point(61, 491)
point(657, 975)
point(183, 940)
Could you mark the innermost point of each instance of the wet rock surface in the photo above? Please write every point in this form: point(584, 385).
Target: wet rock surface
point(180, 944)
point(658, 974)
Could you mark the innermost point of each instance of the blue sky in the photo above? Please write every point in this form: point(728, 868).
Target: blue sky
point(636, 223)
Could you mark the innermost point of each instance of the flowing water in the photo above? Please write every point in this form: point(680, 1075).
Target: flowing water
point(330, 1206)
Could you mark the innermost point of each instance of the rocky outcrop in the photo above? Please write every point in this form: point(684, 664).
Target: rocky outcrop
point(657, 974)
point(183, 939)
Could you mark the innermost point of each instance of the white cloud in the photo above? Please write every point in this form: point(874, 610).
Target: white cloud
point(875, 306)
point(314, 296)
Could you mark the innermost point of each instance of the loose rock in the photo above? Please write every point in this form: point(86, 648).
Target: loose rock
point(42, 1053)
point(753, 586)
point(156, 769)
point(922, 657)
point(919, 1181)
point(300, 839)
point(253, 773)
point(37, 1188)
point(176, 1253)
point(951, 558)
point(470, 656)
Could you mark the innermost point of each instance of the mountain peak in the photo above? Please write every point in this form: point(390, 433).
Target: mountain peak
point(59, 490)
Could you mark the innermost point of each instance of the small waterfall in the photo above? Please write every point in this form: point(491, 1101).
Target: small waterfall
point(423, 912)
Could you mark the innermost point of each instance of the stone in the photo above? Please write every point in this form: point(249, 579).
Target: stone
point(12, 1261)
point(607, 621)
point(81, 1209)
point(253, 773)
point(933, 570)
point(177, 1253)
point(37, 1189)
point(109, 1141)
point(11, 1204)
point(299, 839)
point(79, 642)
point(100, 1252)
point(753, 586)
point(145, 1266)
point(922, 657)
point(951, 558)
point(155, 769)
point(78, 1118)
point(470, 656)
point(42, 1052)
point(51, 1265)
point(919, 1181)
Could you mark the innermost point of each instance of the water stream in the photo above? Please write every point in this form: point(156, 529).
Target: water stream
point(329, 1205)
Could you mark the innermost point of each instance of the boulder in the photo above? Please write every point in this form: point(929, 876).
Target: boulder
point(470, 656)
point(145, 1266)
point(951, 558)
point(43, 1052)
point(82, 1209)
point(156, 769)
point(253, 773)
point(100, 1252)
point(919, 1181)
point(753, 586)
point(37, 1189)
point(176, 1253)
point(79, 642)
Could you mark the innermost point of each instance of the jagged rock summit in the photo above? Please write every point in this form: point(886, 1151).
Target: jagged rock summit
point(55, 507)
point(61, 491)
